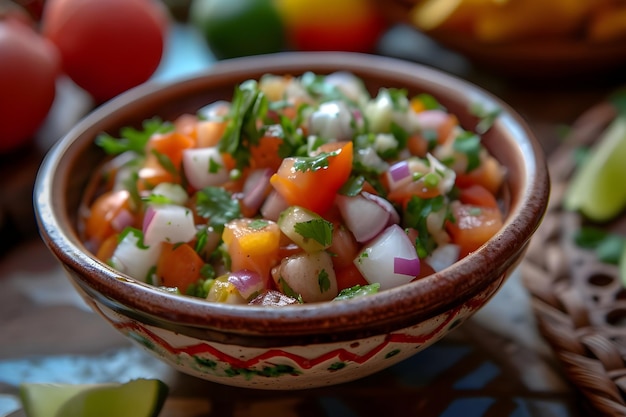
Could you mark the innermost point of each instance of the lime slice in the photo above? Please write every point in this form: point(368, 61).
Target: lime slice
point(136, 398)
point(597, 188)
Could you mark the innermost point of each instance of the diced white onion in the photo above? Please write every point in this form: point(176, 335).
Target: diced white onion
point(133, 260)
point(377, 260)
point(168, 223)
point(204, 167)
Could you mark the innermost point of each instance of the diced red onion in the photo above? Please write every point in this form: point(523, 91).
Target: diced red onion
point(256, 188)
point(248, 283)
point(274, 205)
point(399, 171)
point(394, 217)
point(403, 266)
point(431, 119)
point(364, 217)
point(122, 219)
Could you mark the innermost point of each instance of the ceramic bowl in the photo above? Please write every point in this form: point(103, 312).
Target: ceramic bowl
point(300, 346)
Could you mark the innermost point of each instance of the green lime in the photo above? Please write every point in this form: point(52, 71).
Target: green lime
point(597, 188)
point(235, 28)
point(136, 398)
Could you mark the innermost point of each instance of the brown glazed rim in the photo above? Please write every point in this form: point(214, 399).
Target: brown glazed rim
point(381, 313)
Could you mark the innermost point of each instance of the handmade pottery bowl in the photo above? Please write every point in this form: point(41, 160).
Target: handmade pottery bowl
point(307, 345)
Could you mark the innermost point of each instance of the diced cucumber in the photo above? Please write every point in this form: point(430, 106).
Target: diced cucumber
point(306, 229)
point(136, 398)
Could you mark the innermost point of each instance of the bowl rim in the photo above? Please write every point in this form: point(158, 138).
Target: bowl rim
point(366, 315)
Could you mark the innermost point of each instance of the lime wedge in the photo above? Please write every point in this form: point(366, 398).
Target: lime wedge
point(597, 189)
point(136, 398)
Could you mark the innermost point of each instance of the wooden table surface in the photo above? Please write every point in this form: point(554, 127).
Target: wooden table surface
point(496, 364)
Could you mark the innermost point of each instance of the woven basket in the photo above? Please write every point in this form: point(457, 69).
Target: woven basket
point(579, 302)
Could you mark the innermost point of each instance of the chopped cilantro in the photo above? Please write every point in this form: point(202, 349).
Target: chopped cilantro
point(156, 199)
point(288, 291)
point(247, 106)
point(416, 215)
point(323, 281)
point(138, 234)
point(487, 116)
point(166, 163)
point(217, 205)
point(353, 186)
point(132, 139)
point(357, 291)
point(398, 97)
point(319, 230)
point(429, 102)
point(313, 163)
point(214, 166)
point(468, 143)
point(258, 224)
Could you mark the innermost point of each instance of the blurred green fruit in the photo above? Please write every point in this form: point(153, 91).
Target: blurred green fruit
point(234, 28)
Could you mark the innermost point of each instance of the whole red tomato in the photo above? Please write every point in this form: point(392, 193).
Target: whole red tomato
point(107, 46)
point(29, 66)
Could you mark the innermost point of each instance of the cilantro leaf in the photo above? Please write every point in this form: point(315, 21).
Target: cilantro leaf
point(132, 139)
point(357, 291)
point(416, 215)
point(248, 105)
point(313, 163)
point(468, 143)
point(218, 206)
point(486, 115)
point(320, 230)
point(323, 281)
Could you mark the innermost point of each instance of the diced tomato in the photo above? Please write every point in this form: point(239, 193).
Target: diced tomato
point(179, 266)
point(106, 250)
point(171, 145)
point(348, 276)
point(417, 188)
point(477, 195)
point(152, 173)
point(315, 189)
point(209, 132)
point(417, 145)
point(103, 211)
point(344, 247)
point(265, 153)
point(252, 245)
point(489, 174)
point(473, 225)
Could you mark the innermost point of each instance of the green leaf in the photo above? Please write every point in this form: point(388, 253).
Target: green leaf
point(415, 216)
point(323, 281)
point(132, 139)
point(135, 232)
point(218, 206)
point(357, 291)
point(468, 143)
point(247, 106)
point(429, 102)
point(487, 116)
point(353, 186)
point(319, 230)
point(312, 163)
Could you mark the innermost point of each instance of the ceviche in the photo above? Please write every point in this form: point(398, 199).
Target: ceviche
point(299, 189)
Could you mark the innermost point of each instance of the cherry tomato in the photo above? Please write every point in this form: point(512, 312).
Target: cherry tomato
point(347, 25)
point(107, 46)
point(29, 66)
